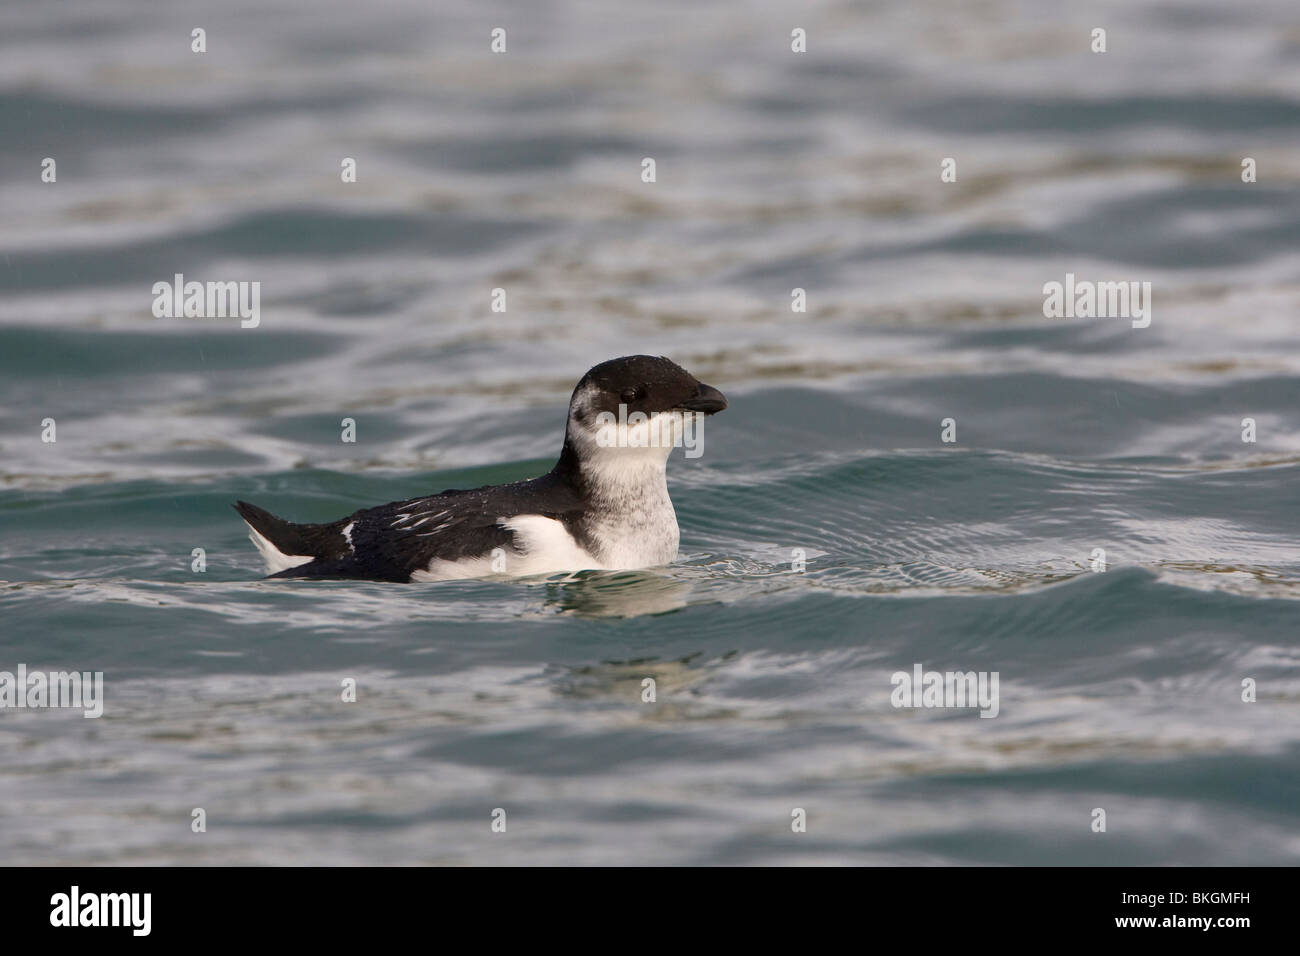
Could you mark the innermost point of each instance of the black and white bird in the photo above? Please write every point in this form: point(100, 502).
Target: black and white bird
point(604, 506)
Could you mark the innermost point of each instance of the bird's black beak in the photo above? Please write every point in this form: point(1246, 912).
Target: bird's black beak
point(706, 399)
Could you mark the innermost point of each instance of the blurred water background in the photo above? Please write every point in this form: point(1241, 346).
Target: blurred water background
point(775, 170)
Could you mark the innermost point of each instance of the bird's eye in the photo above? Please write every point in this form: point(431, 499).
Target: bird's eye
point(631, 395)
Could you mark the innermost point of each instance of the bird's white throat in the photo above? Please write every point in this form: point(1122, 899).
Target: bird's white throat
point(631, 517)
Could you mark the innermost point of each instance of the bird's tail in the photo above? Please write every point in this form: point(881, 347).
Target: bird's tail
point(285, 545)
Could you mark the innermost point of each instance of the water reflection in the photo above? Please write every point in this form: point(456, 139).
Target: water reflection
point(617, 594)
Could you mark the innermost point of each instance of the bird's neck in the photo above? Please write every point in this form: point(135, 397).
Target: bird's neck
point(628, 515)
point(616, 475)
